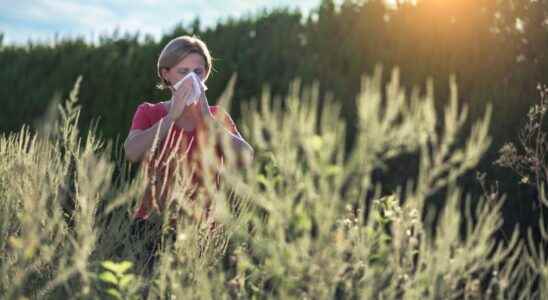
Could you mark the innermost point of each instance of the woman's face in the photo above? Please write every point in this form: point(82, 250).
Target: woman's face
point(192, 62)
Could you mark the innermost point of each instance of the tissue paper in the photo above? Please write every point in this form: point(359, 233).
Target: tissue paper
point(196, 82)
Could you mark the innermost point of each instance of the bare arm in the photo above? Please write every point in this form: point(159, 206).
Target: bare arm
point(235, 140)
point(239, 144)
point(243, 149)
point(138, 142)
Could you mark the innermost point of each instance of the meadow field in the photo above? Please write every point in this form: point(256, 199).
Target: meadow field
point(303, 221)
point(421, 179)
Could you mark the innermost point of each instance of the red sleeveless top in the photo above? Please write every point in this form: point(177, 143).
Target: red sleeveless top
point(160, 166)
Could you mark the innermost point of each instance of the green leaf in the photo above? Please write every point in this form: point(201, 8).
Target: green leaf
point(125, 266)
point(114, 293)
point(109, 265)
point(126, 280)
point(108, 277)
point(117, 268)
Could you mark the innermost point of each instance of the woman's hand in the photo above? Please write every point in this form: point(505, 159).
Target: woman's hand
point(180, 98)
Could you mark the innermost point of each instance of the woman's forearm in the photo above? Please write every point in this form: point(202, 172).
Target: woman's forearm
point(138, 144)
point(240, 146)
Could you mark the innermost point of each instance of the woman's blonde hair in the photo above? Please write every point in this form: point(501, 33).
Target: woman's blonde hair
point(176, 50)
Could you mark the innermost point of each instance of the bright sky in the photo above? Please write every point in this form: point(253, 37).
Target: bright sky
point(22, 20)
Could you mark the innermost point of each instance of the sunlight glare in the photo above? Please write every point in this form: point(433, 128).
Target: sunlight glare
point(393, 3)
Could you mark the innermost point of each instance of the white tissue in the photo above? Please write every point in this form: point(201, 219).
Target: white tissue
point(196, 82)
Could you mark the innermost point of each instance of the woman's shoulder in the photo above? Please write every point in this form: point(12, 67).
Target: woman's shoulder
point(153, 109)
point(148, 113)
point(153, 106)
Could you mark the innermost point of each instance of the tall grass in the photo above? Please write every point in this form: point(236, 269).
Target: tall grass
point(304, 220)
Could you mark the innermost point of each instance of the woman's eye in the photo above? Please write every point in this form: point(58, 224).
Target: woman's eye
point(198, 71)
point(183, 72)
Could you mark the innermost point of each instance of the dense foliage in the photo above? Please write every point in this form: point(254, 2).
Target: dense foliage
point(303, 221)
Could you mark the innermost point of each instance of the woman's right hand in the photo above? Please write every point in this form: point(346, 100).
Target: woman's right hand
point(180, 97)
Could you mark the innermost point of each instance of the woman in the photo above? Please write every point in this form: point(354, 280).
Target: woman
point(178, 127)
